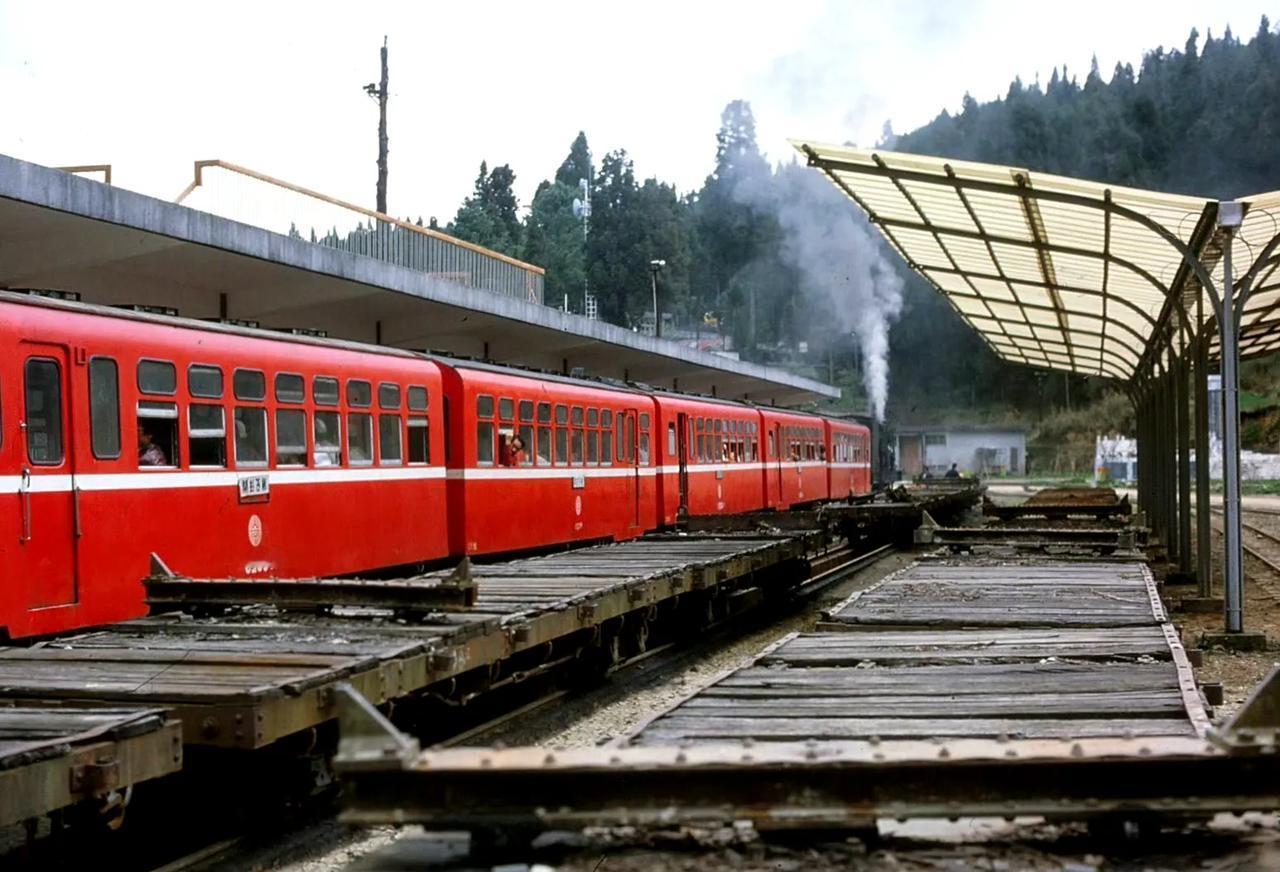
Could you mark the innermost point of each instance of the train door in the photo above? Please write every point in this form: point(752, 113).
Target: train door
point(49, 500)
point(631, 446)
point(682, 452)
point(779, 448)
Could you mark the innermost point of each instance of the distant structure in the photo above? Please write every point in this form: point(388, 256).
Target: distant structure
point(980, 451)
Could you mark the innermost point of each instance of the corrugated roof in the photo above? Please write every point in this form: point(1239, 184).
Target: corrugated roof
point(1052, 271)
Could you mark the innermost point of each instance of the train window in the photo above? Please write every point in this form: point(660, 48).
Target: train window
point(291, 436)
point(389, 395)
point(251, 435)
point(484, 407)
point(419, 440)
point(630, 443)
point(484, 440)
point(544, 446)
point(328, 436)
point(577, 443)
point(526, 412)
point(417, 398)
point(575, 417)
point(606, 439)
point(562, 447)
point(593, 417)
point(104, 407)
point(359, 439)
point(644, 448)
point(204, 381)
point(157, 377)
point(671, 439)
point(606, 418)
point(562, 415)
point(644, 421)
point(506, 409)
point(773, 443)
point(250, 385)
point(290, 388)
point(206, 435)
point(526, 436)
point(389, 437)
point(544, 413)
point(157, 434)
point(593, 447)
point(324, 391)
point(359, 394)
point(44, 411)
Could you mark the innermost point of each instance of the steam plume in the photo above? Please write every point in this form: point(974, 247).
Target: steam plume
point(828, 241)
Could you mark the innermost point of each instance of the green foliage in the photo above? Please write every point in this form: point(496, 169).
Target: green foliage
point(489, 216)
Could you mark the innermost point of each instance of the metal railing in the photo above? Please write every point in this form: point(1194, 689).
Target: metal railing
point(241, 194)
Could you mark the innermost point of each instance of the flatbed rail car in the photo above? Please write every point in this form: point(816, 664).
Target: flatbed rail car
point(233, 451)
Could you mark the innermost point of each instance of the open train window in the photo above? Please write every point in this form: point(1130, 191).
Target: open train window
point(291, 437)
point(204, 381)
point(324, 391)
point(526, 436)
point(157, 377)
point(484, 441)
point(359, 438)
point(44, 411)
point(251, 435)
point(359, 394)
point(419, 440)
point(249, 385)
point(389, 440)
point(206, 435)
point(157, 434)
point(104, 407)
point(417, 398)
point(389, 395)
point(290, 388)
point(328, 437)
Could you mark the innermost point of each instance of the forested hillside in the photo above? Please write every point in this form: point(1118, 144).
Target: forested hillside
point(757, 249)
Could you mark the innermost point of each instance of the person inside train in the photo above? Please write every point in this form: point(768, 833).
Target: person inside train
point(322, 456)
point(953, 472)
point(512, 449)
point(149, 453)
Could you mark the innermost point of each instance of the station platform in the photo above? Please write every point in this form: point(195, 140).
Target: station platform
point(52, 757)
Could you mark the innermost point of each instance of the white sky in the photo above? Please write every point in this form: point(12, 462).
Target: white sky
point(151, 87)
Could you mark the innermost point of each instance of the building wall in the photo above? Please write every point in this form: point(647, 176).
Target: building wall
point(975, 453)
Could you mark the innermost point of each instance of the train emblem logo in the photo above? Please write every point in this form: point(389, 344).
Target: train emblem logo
point(255, 531)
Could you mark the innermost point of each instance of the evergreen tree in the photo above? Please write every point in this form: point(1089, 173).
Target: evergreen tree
point(489, 217)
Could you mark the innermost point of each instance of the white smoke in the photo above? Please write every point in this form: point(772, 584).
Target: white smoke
point(827, 239)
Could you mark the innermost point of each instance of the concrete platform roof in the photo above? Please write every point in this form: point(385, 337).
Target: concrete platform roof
point(114, 246)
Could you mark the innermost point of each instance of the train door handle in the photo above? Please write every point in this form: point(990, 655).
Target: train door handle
point(24, 492)
point(75, 509)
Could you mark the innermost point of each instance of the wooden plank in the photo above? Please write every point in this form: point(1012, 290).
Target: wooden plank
point(671, 729)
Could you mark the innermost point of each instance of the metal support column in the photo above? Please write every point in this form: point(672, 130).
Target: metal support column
point(1182, 368)
point(1233, 588)
point(1204, 542)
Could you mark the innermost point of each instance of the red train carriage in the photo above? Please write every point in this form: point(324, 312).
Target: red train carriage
point(587, 470)
point(710, 453)
point(795, 470)
point(849, 458)
point(225, 451)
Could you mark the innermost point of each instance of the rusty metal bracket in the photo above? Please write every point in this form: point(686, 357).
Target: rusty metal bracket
point(368, 740)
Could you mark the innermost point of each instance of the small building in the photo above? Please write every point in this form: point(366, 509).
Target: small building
point(976, 450)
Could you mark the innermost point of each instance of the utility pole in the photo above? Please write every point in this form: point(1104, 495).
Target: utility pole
point(379, 93)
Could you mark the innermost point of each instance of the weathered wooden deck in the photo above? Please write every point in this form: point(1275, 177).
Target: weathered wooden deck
point(256, 672)
point(54, 756)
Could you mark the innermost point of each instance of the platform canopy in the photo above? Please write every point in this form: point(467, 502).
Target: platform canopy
point(1063, 273)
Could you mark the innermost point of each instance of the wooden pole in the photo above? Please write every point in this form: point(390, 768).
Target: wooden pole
point(382, 133)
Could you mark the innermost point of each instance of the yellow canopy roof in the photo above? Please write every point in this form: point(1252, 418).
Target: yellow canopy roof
point(1051, 271)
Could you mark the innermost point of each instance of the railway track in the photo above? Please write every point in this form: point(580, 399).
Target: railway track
point(1271, 541)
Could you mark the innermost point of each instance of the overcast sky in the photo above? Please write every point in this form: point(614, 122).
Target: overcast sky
point(150, 88)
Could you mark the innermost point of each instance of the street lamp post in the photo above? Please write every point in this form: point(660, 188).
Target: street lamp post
point(654, 266)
